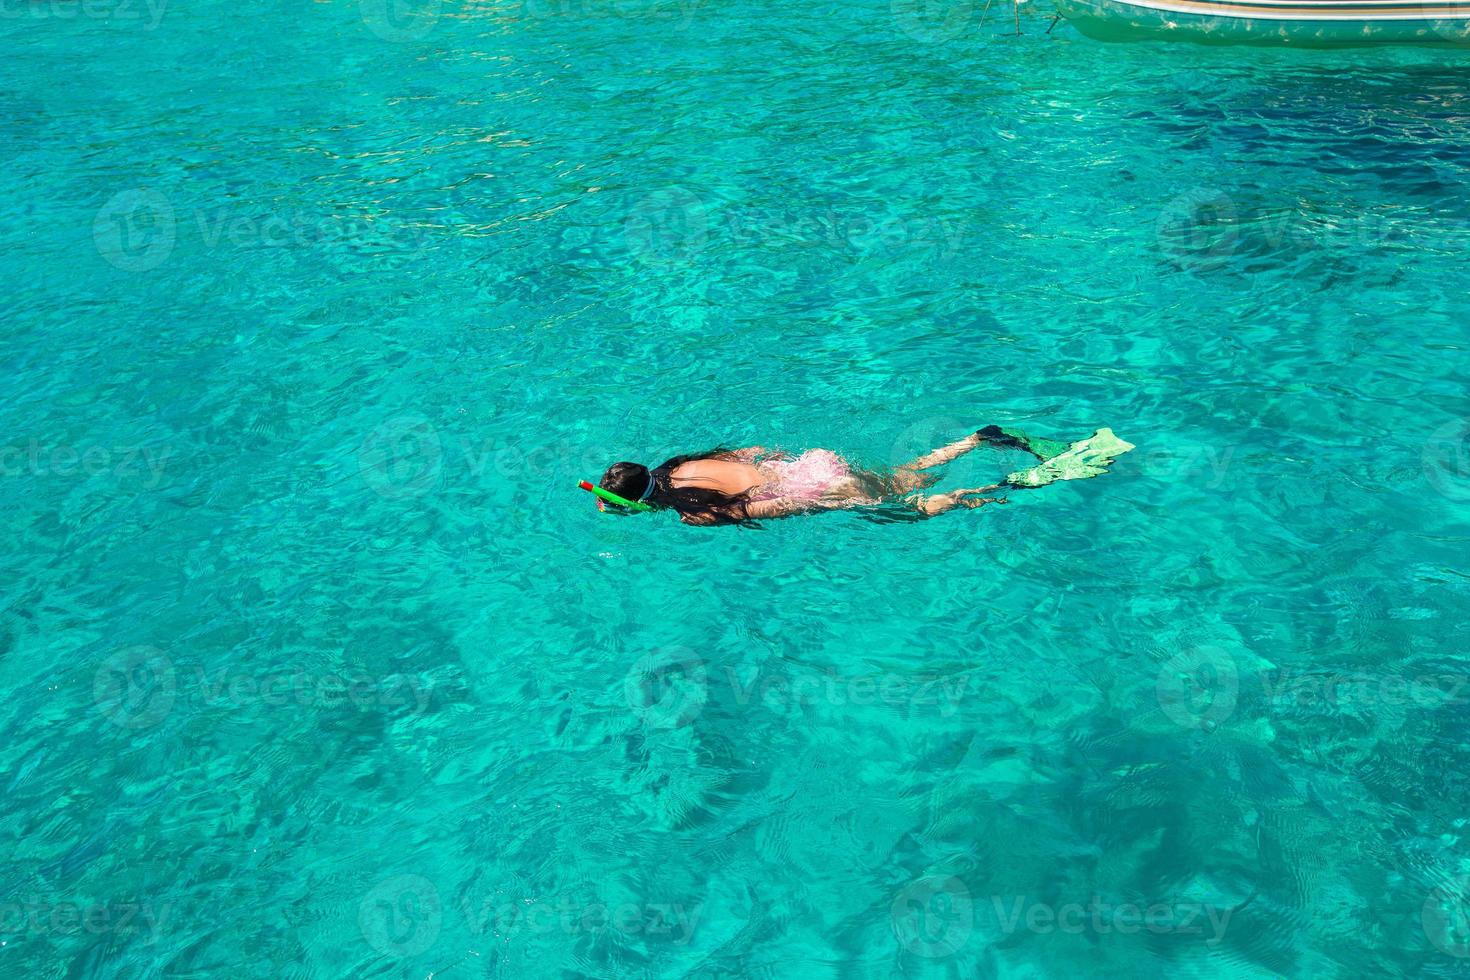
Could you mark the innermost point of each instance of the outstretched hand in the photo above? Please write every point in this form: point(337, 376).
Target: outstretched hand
point(973, 502)
point(941, 502)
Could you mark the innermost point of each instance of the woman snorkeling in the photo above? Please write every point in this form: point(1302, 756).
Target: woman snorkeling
point(730, 486)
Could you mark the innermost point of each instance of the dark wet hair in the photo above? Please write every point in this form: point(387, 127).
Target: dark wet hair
point(630, 480)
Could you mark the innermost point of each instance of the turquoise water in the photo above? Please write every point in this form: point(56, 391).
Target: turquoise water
point(315, 663)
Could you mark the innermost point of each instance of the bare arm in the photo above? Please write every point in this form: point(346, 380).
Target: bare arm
point(760, 510)
point(757, 510)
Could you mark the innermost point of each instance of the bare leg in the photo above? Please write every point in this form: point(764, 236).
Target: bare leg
point(992, 434)
point(902, 481)
point(940, 502)
point(945, 453)
point(996, 436)
point(858, 491)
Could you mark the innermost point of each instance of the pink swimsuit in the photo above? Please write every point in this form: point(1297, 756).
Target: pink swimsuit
point(805, 477)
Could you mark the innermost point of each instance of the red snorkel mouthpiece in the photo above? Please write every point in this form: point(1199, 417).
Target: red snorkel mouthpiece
point(611, 497)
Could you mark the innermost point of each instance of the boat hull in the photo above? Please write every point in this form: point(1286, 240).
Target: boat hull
point(1306, 22)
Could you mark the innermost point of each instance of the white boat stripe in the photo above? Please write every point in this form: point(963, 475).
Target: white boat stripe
point(1345, 11)
point(1456, 8)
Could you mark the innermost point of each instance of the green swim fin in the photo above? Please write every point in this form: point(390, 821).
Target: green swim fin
point(1079, 461)
point(994, 435)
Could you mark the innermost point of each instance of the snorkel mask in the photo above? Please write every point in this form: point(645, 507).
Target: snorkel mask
point(635, 506)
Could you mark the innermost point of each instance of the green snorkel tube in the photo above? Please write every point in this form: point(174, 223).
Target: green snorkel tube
point(612, 498)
